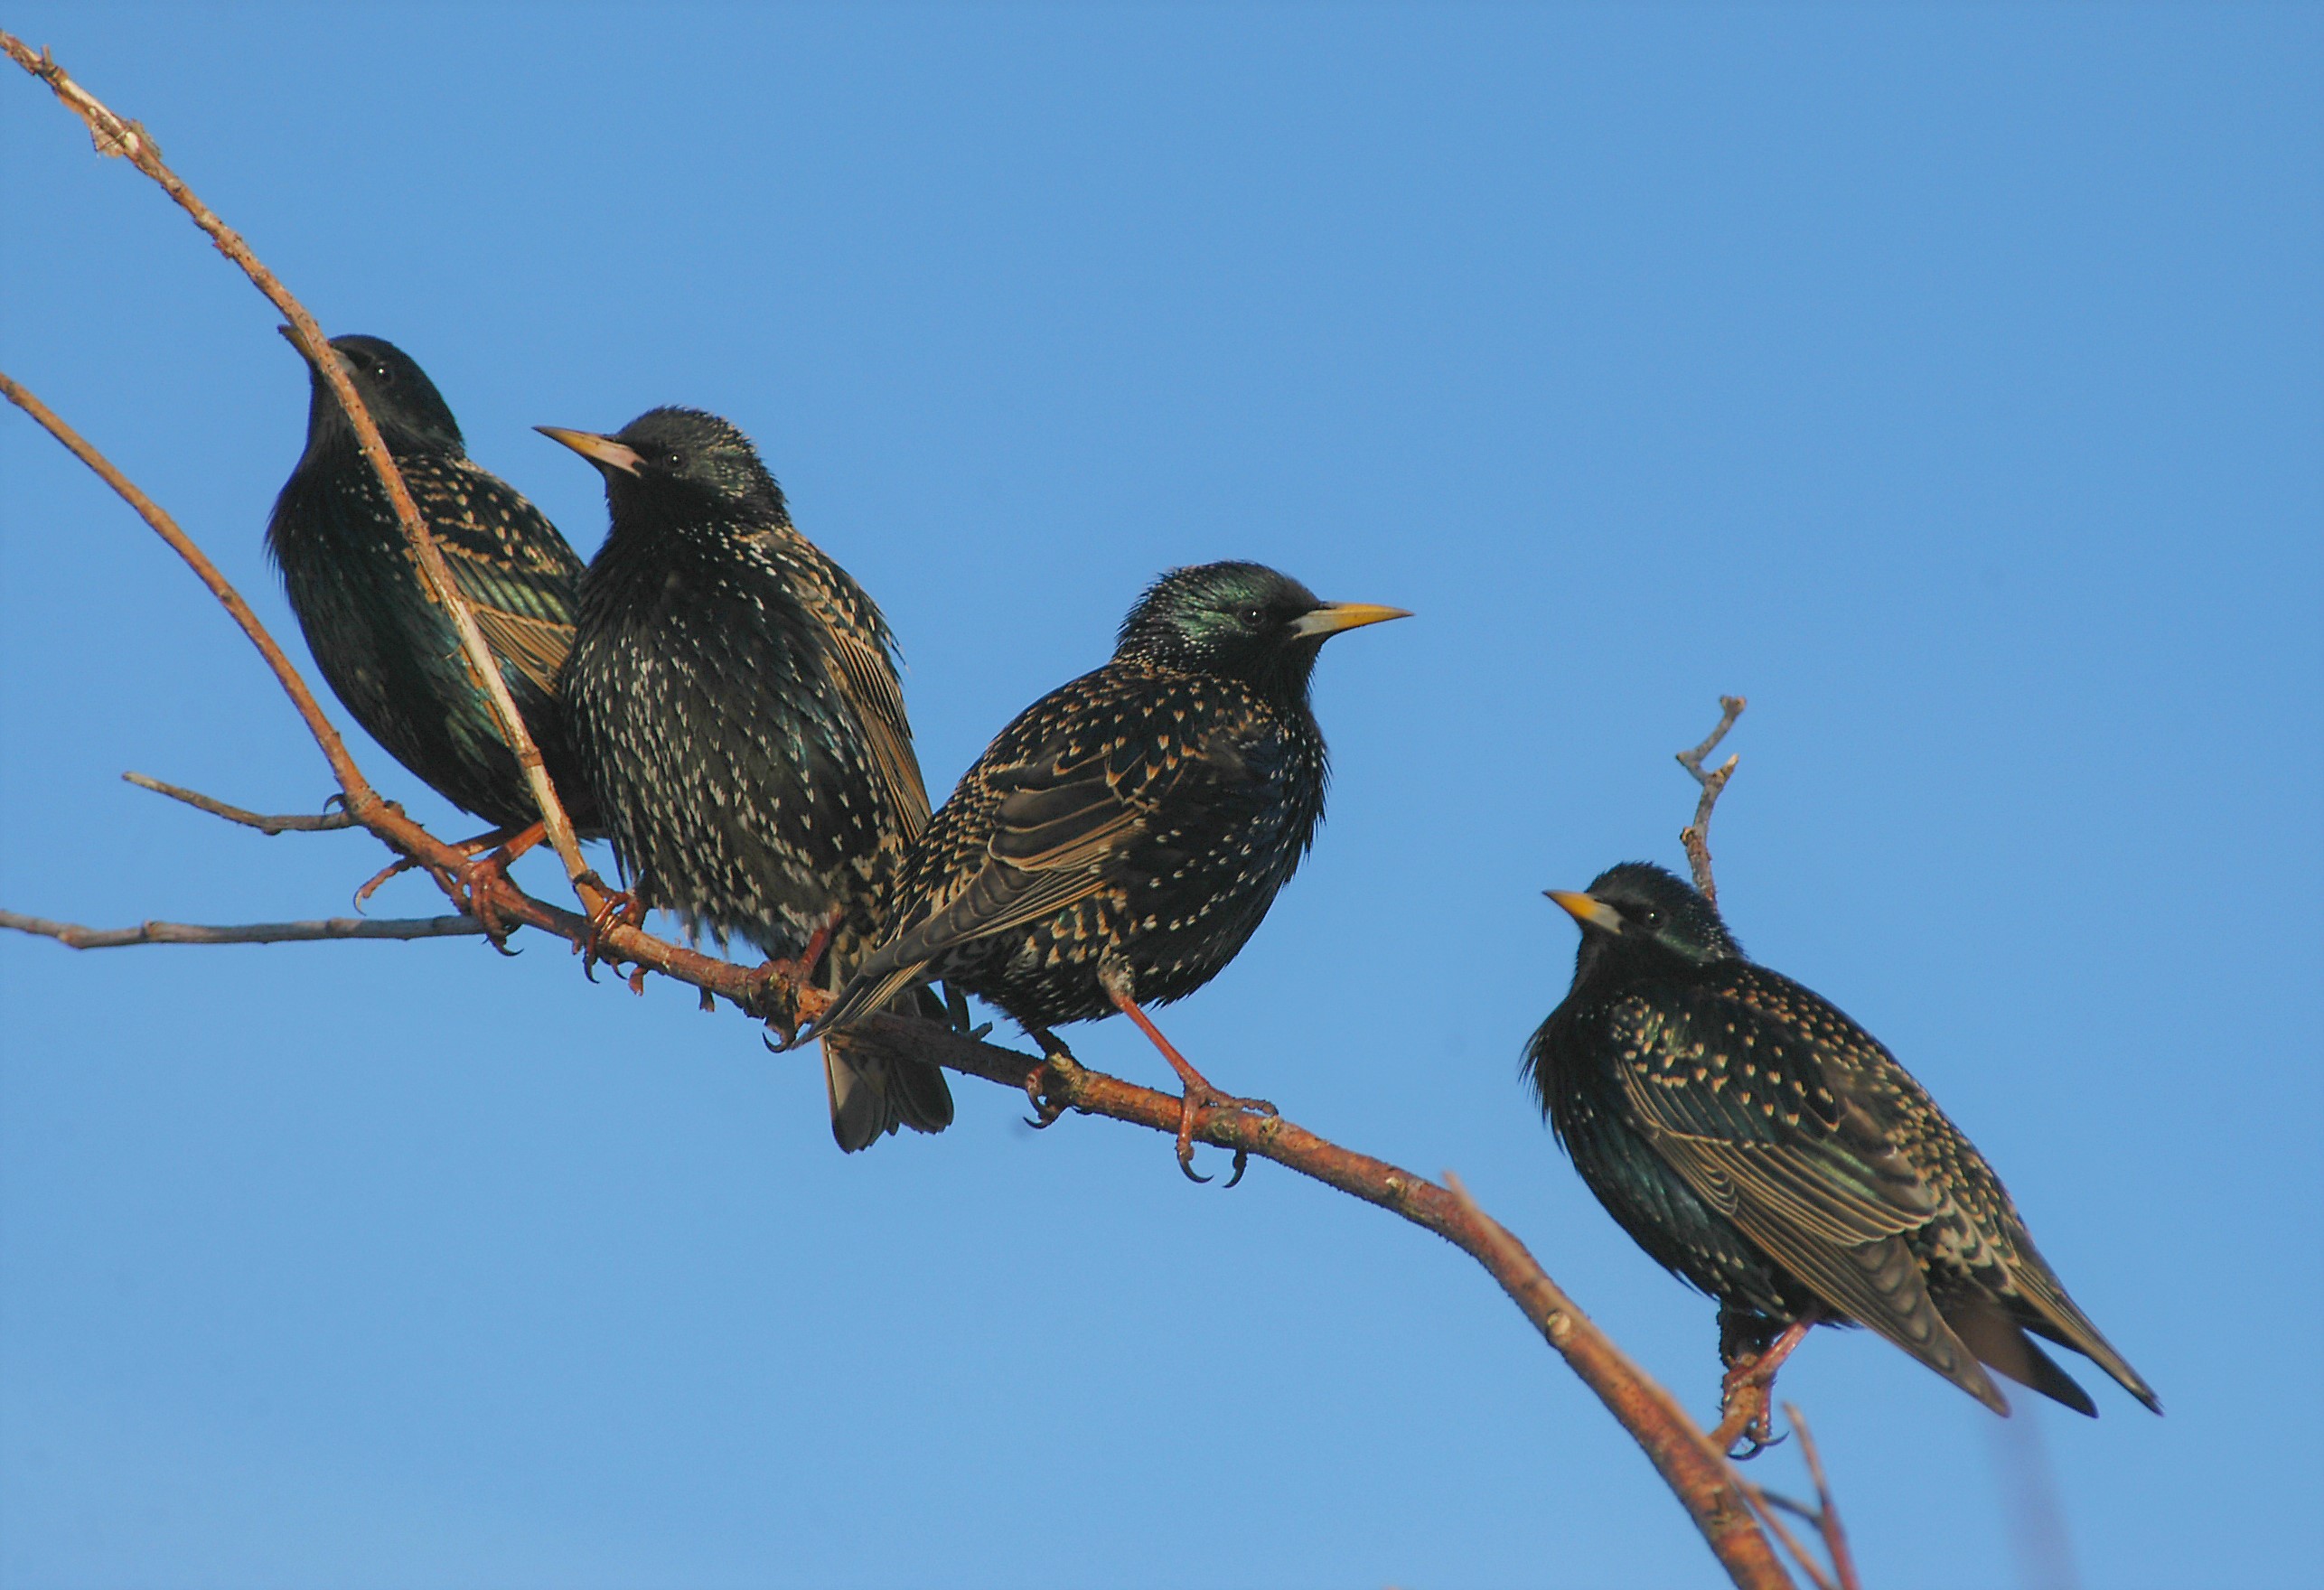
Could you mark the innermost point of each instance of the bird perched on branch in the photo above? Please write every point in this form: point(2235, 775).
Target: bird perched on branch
point(1117, 845)
point(732, 695)
point(1769, 1151)
point(388, 649)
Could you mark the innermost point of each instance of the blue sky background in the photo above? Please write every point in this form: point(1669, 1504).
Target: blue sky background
point(1947, 381)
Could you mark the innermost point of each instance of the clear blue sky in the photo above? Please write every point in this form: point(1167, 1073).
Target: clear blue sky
point(1950, 381)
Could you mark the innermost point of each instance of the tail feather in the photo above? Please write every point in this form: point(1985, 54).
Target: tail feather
point(873, 1091)
point(2004, 1347)
point(2047, 1311)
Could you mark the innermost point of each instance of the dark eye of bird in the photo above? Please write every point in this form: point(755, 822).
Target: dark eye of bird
point(383, 374)
point(1256, 617)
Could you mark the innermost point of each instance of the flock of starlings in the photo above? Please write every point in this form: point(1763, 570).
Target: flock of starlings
point(719, 699)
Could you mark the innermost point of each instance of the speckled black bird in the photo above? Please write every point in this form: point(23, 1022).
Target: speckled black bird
point(1771, 1153)
point(1117, 845)
point(389, 650)
point(732, 695)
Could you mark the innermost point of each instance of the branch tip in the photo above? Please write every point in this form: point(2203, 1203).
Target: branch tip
point(322, 822)
point(1695, 837)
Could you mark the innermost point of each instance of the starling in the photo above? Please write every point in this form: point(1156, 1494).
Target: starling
point(389, 650)
point(1770, 1152)
point(733, 696)
point(1119, 842)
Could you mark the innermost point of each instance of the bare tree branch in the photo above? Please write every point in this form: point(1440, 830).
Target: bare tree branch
point(1696, 835)
point(322, 822)
point(334, 750)
point(74, 936)
point(1824, 1516)
point(1694, 1469)
point(1827, 1511)
point(1717, 1501)
point(114, 135)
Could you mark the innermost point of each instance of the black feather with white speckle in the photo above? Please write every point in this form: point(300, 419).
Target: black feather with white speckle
point(733, 696)
point(1133, 826)
point(1773, 1154)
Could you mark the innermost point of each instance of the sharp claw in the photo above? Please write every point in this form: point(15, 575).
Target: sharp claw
point(404, 865)
point(619, 906)
point(1241, 1164)
point(1188, 1107)
point(1045, 1114)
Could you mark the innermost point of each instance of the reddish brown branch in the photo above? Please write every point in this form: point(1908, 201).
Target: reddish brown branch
point(382, 817)
point(265, 823)
point(1827, 1511)
point(1823, 1516)
point(352, 783)
point(1696, 835)
point(74, 936)
point(116, 135)
point(1718, 1502)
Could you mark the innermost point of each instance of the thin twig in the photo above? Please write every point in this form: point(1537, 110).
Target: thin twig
point(1770, 1508)
point(351, 781)
point(384, 819)
point(1824, 1516)
point(116, 134)
point(1827, 1511)
point(322, 822)
point(1696, 835)
point(74, 936)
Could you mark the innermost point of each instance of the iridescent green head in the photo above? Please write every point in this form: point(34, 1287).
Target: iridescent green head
point(1243, 620)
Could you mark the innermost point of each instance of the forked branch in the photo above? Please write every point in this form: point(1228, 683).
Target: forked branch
point(1696, 835)
point(1837, 1571)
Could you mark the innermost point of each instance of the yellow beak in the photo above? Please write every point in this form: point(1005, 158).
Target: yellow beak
point(1588, 910)
point(1333, 617)
point(602, 451)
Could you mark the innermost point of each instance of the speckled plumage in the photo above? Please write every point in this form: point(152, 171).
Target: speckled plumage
point(1136, 823)
point(387, 650)
point(733, 695)
point(1770, 1152)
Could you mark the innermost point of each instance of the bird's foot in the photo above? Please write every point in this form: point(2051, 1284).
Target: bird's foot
point(618, 908)
point(1055, 1057)
point(1747, 1426)
point(1197, 1094)
point(1199, 1097)
point(481, 879)
point(777, 993)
